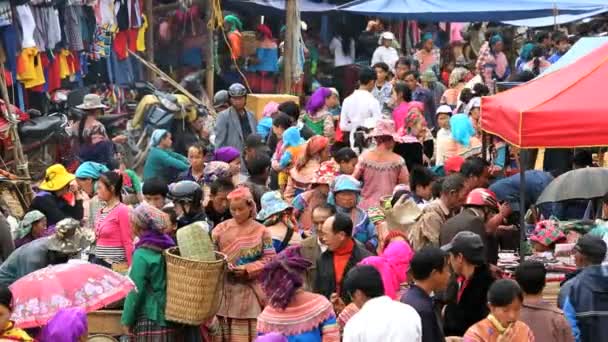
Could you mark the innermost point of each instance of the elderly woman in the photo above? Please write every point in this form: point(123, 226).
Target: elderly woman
point(87, 175)
point(300, 177)
point(144, 310)
point(297, 314)
point(317, 116)
point(278, 218)
point(247, 245)
point(32, 227)
point(161, 161)
point(380, 169)
point(92, 137)
point(456, 84)
point(58, 199)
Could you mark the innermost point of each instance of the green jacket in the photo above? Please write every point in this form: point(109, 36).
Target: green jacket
point(149, 275)
point(164, 164)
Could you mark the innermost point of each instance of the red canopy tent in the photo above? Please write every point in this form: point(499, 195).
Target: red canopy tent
point(563, 109)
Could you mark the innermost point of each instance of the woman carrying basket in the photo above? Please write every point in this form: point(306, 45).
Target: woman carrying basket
point(247, 245)
point(144, 312)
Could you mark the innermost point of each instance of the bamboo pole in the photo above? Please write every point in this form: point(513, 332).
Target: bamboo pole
point(290, 15)
point(22, 169)
point(149, 9)
point(209, 51)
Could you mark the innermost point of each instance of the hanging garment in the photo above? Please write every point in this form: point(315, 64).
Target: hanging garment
point(28, 25)
point(141, 35)
point(72, 29)
point(6, 14)
point(29, 68)
point(48, 30)
point(104, 13)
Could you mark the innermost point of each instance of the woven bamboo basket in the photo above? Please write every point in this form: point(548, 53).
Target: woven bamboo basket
point(193, 287)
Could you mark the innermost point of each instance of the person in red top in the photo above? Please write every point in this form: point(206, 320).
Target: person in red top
point(342, 254)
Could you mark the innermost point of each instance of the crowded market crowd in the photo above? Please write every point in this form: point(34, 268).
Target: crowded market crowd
point(368, 219)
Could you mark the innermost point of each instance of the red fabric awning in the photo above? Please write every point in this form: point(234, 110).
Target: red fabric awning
point(566, 108)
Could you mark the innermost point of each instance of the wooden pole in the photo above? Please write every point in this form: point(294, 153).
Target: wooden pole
point(22, 169)
point(209, 52)
point(149, 9)
point(290, 15)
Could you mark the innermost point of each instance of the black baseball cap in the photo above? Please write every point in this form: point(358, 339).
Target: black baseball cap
point(591, 246)
point(469, 244)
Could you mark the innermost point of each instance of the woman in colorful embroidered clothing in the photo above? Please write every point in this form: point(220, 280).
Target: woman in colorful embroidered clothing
point(300, 177)
point(297, 314)
point(317, 116)
point(278, 217)
point(114, 246)
point(345, 196)
point(8, 331)
point(307, 201)
point(505, 299)
point(144, 311)
point(380, 169)
point(248, 247)
point(408, 143)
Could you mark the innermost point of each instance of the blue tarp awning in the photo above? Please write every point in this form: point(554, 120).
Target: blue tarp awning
point(582, 47)
point(559, 19)
point(274, 6)
point(468, 10)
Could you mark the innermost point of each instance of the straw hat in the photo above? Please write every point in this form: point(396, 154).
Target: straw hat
point(91, 101)
point(56, 178)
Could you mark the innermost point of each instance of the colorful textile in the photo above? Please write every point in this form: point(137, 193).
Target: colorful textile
point(393, 266)
point(376, 214)
point(309, 317)
point(486, 331)
point(322, 123)
point(226, 154)
point(148, 330)
point(237, 330)
point(364, 230)
point(215, 170)
point(399, 115)
point(113, 229)
point(149, 217)
point(326, 173)
point(547, 234)
point(248, 245)
point(29, 68)
point(379, 178)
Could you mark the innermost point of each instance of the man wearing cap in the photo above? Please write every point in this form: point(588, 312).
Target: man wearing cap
point(466, 295)
point(67, 242)
point(481, 205)
point(584, 298)
point(386, 53)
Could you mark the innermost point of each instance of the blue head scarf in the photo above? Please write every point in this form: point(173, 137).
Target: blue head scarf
point(343, 183)
point(462, 129)
point(91, 170)
point(157, 136)
point(292, 137)
point(526, 52)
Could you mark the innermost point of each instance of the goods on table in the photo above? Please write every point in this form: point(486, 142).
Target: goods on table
point(194, 288)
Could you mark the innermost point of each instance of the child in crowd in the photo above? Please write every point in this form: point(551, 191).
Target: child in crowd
point(289, 150)
point(421, 185)
point(155, 192)
point(300, 176)
point(347, 159)
point(8, 332)
point(217, 207)
point(305, 202)
point(345, 194)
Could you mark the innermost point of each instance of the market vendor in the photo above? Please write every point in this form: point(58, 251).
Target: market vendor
point(67, 242)
point(93, 140)
point(58, 198)
point(545, 236)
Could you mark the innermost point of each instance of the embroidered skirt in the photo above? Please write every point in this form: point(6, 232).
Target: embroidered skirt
point(237, 329)
point(146, 330)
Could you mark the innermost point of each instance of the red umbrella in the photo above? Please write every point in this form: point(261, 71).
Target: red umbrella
point(38, 296)
point(565, 108)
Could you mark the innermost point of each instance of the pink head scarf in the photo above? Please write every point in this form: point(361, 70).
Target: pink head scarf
point(393, 265)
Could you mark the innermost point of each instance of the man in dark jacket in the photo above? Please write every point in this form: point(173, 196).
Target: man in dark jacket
point(467, 292)
point(343, 253)
point(431, 272)
point(312, 247)
point(480, 206)
point(585, 297)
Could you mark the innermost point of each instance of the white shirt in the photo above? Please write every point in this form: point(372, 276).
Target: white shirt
point(340, 59)
point(443, 137)
point(360, 105)
point(382, 319)
point(387, 55)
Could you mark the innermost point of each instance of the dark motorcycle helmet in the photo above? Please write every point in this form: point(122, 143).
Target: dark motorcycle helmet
point(237, 90)
point(186, 192)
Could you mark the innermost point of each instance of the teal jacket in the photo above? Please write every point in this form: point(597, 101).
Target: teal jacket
point(148, 272)
point(164, 164)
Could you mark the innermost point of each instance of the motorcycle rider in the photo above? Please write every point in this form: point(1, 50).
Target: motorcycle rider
point(234, 124)
point(187, 197)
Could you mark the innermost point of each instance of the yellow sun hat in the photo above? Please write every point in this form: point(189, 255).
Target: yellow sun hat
point(56, 178)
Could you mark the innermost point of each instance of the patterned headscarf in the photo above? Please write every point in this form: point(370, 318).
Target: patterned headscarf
point(243, 193)
point(227, 154)
point(148, 217)
point(547, 234)
point(282, 277)
point(216, 169)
